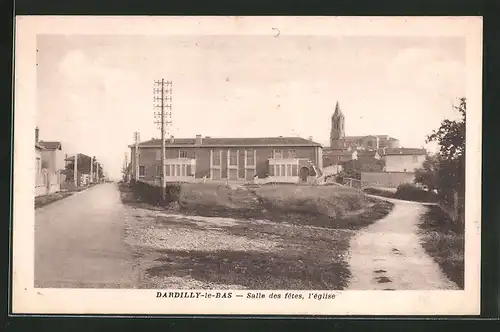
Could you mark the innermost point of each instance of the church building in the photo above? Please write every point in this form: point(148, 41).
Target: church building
point(339, 141)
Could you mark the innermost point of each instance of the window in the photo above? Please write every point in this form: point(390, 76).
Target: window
point(250, 159)
point(167, 170)
point(183, 154)
point(288, 170)
point(158, 170)
point(277, 154)
point(177, 170)
point(158, 154)
point(142, 171)
point(414, 159)
point(233, 158)
point(292, 154)
point(216, 157)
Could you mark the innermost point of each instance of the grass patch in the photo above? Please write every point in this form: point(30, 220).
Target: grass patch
point(254, 270)
point(329, 207)
point(51, 198)
point(444, 241)
point(404, 192)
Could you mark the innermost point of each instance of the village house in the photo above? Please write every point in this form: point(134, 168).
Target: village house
point(86, 169)
point(49, 164)
point(333, 156)
point(404, 159)
point(276, 159)
point(40, 187)
point(369, 155)
point(52, 156)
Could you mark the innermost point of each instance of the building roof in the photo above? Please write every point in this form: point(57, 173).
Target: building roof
point(367, 153)
point(335, 152)
point(39, 147)
point(79, 155)
point(51, 145)
point(406, 151)
point(338, 112)
point(224, 142)
point(380, 137)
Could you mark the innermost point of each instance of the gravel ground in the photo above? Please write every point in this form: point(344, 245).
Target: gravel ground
point(193, 252)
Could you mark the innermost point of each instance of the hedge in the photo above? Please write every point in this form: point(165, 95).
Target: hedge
point(152, 194)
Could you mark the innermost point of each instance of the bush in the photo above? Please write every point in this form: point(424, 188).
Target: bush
point(411, 192)
point(152, 194)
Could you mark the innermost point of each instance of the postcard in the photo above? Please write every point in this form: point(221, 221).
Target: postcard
point(247, 165)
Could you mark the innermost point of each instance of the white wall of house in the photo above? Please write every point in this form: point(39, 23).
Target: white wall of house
point(403, 163)
point(53, 160)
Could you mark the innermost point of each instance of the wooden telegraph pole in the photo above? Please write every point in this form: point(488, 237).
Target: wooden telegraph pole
point(137, 138)
point(163, 116)
point(75, 170)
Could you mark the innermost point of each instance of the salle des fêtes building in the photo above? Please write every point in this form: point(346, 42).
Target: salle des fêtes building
point(277, 159)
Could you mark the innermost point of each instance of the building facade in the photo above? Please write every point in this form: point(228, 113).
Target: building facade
point(52, 156)
point(277, 159)
point(404, 159)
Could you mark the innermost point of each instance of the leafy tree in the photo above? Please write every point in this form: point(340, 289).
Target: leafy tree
point(428, 174)
point(446, 172)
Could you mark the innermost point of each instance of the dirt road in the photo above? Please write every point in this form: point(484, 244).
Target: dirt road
point(388, 255)
point(79, 242)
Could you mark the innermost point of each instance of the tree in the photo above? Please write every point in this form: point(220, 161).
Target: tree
point(428, 175)
point(446, 172)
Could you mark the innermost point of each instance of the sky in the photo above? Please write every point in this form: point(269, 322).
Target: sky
point(94, 91)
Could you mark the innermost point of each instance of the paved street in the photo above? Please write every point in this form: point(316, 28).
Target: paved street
point(79, 242)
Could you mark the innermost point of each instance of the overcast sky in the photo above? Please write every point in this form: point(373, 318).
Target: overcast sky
point(95, 91)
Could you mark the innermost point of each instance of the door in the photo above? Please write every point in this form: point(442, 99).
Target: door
point(304, 173)
point(250, 174)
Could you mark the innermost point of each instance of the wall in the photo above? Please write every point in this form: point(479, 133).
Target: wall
point(53, 160)
point(386, 179)
point(403, 163)
point(47, 182)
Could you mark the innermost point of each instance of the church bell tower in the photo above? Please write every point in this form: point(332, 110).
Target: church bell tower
point(337, 132)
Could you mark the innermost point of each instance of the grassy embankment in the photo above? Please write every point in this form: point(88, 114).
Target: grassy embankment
point(444, 241)
point(269, 237)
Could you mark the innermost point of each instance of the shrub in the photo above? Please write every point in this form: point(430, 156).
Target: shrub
point(152, 194)
point(408, 191)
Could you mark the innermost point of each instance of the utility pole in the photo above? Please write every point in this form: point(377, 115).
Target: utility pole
point(125, 168)
point(91, 168)
point(163, 102)
point(97, 171)
point(75, 170)
point(137, 138)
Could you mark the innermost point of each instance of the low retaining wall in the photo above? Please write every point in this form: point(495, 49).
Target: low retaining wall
point(386, 179)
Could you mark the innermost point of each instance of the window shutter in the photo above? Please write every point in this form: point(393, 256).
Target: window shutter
point(271, 170)
point(188, 170)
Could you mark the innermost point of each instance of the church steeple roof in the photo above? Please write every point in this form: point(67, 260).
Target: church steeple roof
point(338, 112)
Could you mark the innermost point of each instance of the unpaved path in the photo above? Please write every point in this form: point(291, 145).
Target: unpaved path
point(388, 255)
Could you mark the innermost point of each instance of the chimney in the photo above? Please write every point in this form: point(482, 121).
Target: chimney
point(171, 139)
point(310, 138)
point(37, 134)
point(199, 139)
